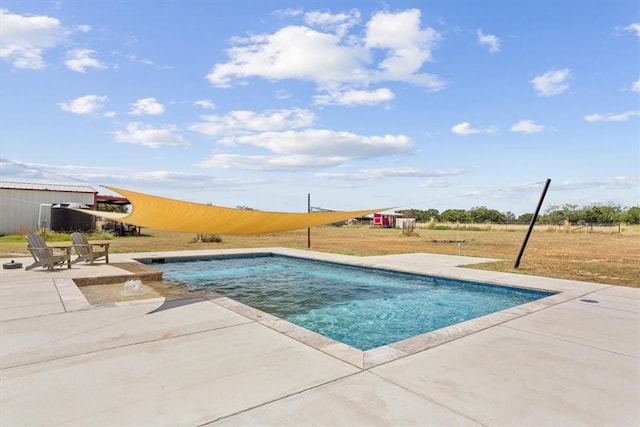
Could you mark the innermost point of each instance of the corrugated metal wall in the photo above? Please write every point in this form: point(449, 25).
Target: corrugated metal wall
point(19, 209)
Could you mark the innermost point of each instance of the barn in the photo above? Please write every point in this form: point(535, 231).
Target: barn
point(26, 207)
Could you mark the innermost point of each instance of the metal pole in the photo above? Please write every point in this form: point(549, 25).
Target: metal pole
point(533, 221)
point(308, 211)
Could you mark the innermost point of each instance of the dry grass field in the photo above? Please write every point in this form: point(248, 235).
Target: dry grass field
point(608, 255)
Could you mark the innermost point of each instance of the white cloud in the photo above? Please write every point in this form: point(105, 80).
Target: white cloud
point(490, 40)
point(339, 23)
point(242, 121)
point(149, 136)
point(134, 58)
point(407, 47)
point(633, 28)
point(323, 143)
point(308, 149)
point(80, 59)
point(282, 94)
point(24, 38)
point(287, 13)
point(551, 83)
point(382, 173)
point(354, 97)
point(465, 129)
point(84, 105)
point(615, 182)
point(84, 28)
point(293, 52)
point(205, 103)
point(527, 126)
point(267, 163)
point(147, 107)
point(635, 86)
point(144, 61)
point(332, 58)
point(611, 117)
point(432, 183)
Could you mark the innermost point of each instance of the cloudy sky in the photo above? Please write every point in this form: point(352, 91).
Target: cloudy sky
point(418, 104)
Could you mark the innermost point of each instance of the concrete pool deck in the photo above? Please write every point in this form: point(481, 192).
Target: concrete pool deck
point(201, 361)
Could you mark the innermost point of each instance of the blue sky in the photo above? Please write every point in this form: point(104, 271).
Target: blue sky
point(362, 104)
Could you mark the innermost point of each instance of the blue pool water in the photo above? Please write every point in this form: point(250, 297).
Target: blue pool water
point(364, 308)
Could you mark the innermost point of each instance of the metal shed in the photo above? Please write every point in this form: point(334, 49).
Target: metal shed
point(25, 207)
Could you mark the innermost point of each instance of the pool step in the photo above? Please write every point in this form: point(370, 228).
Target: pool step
point(135, 269)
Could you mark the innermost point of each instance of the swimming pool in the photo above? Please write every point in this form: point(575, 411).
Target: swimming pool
point(364, 308)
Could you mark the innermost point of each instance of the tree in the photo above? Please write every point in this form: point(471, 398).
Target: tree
point(419, 214)
point(111, 207)
point(431, 213)
point(558, 215)
point(631, 216)
point(455, 215)
point(482, 214)
point(510, 217)
point(601, 214)
point(525, 218)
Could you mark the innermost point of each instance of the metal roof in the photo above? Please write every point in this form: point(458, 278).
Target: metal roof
point(47, 187)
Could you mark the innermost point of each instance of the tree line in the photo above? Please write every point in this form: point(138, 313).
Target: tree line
point(556, 215)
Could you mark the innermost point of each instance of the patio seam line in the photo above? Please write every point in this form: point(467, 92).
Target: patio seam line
point(622, 310)
point(426, 398)
point(33, 317)
point(567, 341)
point(34, 305)
point(595, 294)
point(119, 346)
point(55, 286)
point(281, 398)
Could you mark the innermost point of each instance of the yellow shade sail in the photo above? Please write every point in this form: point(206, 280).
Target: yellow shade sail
point(175, 215)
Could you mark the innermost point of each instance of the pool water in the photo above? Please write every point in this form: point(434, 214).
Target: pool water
point(362, 307)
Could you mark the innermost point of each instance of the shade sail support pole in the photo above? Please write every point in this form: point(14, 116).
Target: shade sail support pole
point(533, 221)
point(308, 228)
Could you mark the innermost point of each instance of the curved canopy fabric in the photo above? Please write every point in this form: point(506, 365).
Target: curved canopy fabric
point(175, 215)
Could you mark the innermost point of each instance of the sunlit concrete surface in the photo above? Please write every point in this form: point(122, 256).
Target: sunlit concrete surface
point(570, 359)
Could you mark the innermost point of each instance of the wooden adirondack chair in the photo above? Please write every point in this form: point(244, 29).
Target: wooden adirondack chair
point(89, 252)
point(44, 255)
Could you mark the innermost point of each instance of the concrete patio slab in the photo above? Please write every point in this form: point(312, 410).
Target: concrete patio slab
point(588, 324)
point(186, 380)
point(44, 338)
point(504, 376)
point(569, 359)
point(359, 400)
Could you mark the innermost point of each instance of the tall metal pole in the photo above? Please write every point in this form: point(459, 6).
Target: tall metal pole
point(533, 221)
point(309, 228)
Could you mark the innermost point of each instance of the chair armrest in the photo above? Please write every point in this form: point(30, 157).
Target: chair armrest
point(104, 245)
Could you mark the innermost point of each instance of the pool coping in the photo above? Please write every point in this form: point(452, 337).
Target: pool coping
point(565, 290)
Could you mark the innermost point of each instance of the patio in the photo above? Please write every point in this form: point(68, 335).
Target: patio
point(200, 361)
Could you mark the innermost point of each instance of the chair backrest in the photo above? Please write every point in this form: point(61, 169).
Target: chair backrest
point(38, 247)
point(81, 243)
point(79, 238)
point(36, 241)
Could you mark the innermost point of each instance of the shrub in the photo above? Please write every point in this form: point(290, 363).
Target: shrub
point(206, 238)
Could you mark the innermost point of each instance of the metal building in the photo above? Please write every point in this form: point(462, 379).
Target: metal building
point(26, 207)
